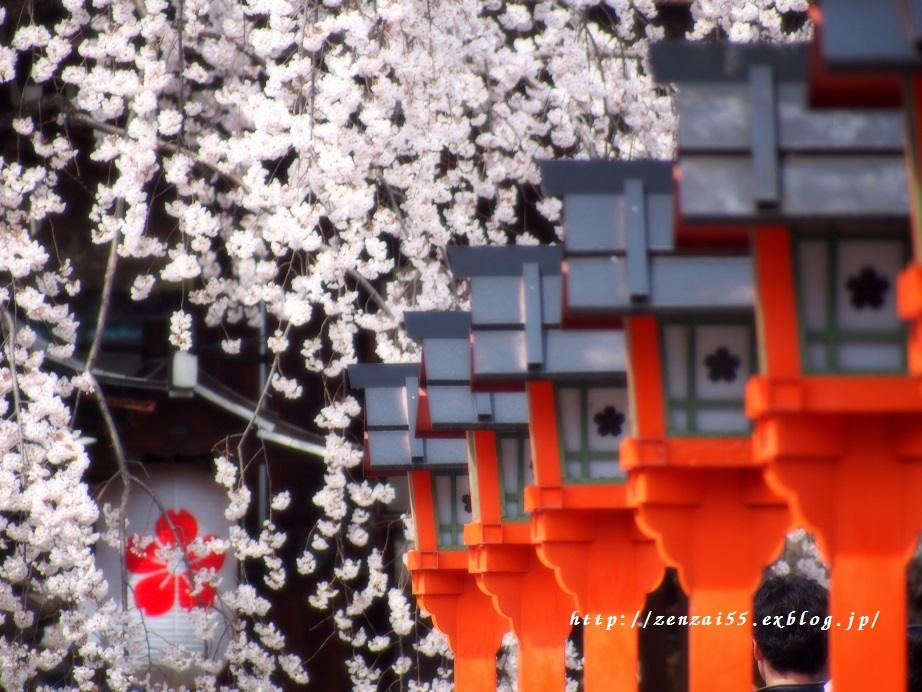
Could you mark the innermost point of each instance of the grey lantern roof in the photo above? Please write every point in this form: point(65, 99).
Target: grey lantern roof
point(619, 245)
point(872, 34)
point(750, 148)
point(391, 444)
point(516, 319)
point(447, 401)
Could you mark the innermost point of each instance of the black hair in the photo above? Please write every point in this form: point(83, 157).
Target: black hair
point(915, 658)
point(792, 648)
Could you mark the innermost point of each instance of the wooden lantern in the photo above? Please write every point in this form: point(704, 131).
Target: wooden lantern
point(837, 416)
point(501, 550)
point(691, 348)
point(440, 494)
point(581, 522)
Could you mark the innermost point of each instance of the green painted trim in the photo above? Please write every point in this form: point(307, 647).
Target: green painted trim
point(472, 474)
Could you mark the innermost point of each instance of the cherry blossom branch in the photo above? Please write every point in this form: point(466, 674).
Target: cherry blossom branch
point(117, 448)
point(162, 146)
point(118, 452)
point(171, 148)
point(104, 304)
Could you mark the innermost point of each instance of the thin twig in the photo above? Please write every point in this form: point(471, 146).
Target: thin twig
point(9, 327)
point(105, 302)
point(119, 452)
point(162, 146)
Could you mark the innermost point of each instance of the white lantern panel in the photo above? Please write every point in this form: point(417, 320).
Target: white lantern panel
point(816, 357)
point(722, 361)
point(716, 421)
point(679, 420)
point(444, 500)
point(509, 462)
point(463, 500)
point(574, 468)
point(607, 412)
point(813, 270)
point(870, 357)
point(605, 468)
point(453, 506)
point(515, 463)
point(676, 366)
point(571, 416)
point(529, 471)
point(866, 294)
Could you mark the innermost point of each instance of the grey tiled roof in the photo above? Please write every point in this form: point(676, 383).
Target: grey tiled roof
point(391, 400)
point(446, 377)
point(620, 250)
point(871, 34)
point(751, 149)
point(516, 319)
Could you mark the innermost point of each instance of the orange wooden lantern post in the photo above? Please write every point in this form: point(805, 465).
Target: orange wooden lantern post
point(440, 497)
point(499, 537)
point(691, 346)
point(581, 523)
point(836, 414)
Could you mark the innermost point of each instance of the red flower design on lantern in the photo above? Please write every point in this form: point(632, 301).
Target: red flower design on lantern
point(167, 578)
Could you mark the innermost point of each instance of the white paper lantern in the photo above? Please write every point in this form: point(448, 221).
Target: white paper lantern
point(163, 548)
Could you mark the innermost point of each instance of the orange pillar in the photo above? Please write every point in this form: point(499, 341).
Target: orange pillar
point(602, 558)
point(707, 503)
point(719, 527)
point(854, 480)
point(464, 614)
point(526, 592)
point(587, 534)
point(448, 592)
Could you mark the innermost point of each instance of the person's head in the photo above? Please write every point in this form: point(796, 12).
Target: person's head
point(915, 658)
point(789, 648)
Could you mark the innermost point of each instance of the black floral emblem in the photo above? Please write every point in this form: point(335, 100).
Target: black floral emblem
point(610, 421)
point(466, 501)
point(868, 289)
point(722, 365)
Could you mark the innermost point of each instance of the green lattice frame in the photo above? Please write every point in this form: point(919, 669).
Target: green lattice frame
point(832, 337)
point(583, 455)
point(691, 405)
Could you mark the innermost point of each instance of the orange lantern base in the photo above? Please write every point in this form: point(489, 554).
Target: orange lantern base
point(609, 565)
point(719, 525)
point(524, 590)
point(852, 477)
point(462, 612)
